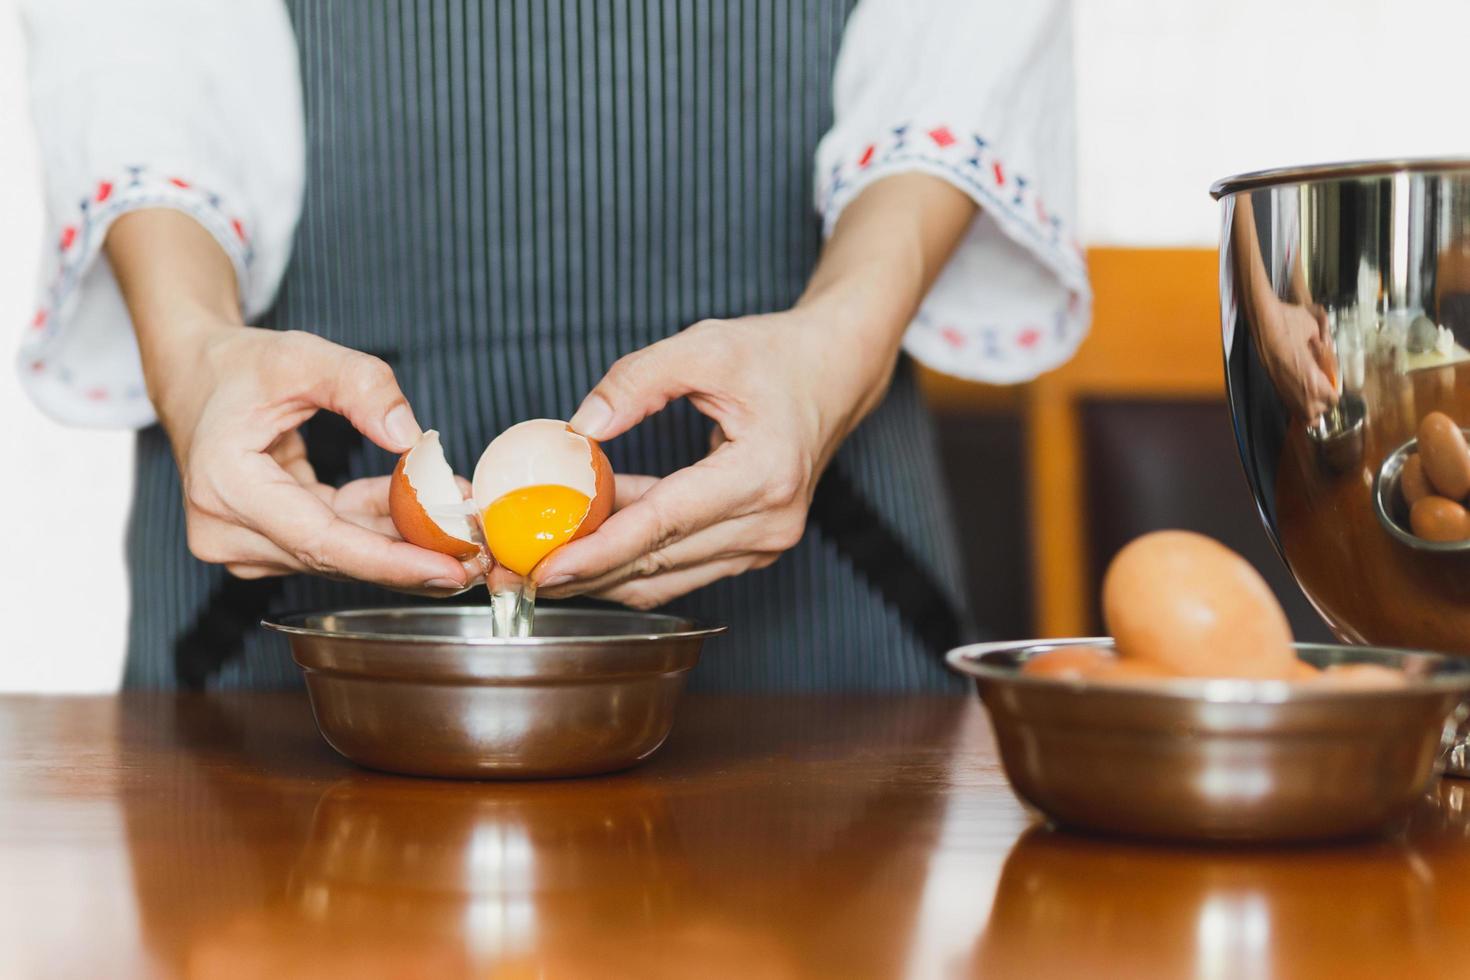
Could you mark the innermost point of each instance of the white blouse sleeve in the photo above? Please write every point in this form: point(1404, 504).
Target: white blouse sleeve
point(186, 104)
point(979, 94)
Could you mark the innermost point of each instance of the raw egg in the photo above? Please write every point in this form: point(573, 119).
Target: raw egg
point(537, 486)
point(1186, 603)
point(426, 503)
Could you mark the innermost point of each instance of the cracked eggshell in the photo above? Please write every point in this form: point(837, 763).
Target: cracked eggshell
point(426, 503)
point(546, 451)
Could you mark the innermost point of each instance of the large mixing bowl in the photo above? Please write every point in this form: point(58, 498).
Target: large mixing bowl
point(1345, 303)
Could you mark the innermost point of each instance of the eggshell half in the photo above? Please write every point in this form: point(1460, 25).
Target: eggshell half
point(425, 501)
point(1188, 604)
point(546, 451)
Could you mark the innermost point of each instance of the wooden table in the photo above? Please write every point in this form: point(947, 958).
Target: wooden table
point(217, 835)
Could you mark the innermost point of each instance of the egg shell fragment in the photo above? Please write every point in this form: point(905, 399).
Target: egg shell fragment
point(425, 501)
point(1187, 604)
point(546, 451)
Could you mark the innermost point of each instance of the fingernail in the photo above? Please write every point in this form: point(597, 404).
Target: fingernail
point(593, 417)
point(443, 583)
point(402, 427)
point(555, 580)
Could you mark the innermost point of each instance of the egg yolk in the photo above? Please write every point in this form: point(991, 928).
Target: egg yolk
point(526, 525)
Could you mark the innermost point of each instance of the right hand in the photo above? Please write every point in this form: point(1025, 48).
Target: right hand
point(1295, 344)
point(231, 399)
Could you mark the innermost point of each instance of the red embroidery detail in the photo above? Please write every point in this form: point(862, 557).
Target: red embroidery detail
point(37, 367)
point(1028, 337)
point(953, 336)
point(239, 228)
point(68, 235)
point(104, 191)
point(867, 156)
point(96, 394)
point(1000, 175)
point(1040, 211)
point(39, 320)
point(181, 184)
point(941, 136)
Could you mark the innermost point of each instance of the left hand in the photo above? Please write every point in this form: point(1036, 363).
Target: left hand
point(783, 390)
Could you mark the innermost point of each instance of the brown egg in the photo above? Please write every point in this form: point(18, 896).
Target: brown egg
point(1067, 663)
point(1439, 519)
point(1362, 676)
point(1412, 482)
point(1445, 455)
point(1123, 670)
point(1188, 604)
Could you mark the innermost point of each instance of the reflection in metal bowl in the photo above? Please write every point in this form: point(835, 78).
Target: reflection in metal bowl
point(1338, 283)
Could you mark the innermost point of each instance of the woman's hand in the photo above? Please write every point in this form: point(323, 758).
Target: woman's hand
point(782, 397)
point(1295, 345)
point(251, 499)
point(232, 399)
point(783, 391)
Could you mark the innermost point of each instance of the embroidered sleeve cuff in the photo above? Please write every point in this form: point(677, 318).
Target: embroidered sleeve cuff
point(79, 357)
point(1014, 300)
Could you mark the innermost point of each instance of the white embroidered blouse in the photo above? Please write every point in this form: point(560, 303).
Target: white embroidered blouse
point(196, 105)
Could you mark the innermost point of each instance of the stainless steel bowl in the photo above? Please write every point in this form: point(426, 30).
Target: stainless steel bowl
point(1219, 760)
point(426, 690)
point(1392, 510)
point(1357, 274)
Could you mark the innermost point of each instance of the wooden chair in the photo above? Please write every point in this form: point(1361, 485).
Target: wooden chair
point(1155, 334)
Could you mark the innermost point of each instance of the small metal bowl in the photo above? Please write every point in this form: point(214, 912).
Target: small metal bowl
point(1219, 760)
point(1337, 437)
point(1388, 503)
point(426, 690)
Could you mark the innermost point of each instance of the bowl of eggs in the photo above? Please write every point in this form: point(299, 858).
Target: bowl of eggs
point(1199, 718)
point(1420, 492)
point(498, 691)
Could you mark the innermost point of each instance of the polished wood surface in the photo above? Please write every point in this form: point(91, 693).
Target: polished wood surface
point(1155, 334)
point(217, 836)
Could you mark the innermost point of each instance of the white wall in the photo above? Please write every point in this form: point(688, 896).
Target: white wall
point(63, 492)
point(1173, 94)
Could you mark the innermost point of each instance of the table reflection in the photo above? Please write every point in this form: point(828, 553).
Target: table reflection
point(755, 844)
point(1390, 907)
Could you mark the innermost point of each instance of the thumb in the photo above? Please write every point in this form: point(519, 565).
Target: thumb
point(637, 386)
point(362, 389)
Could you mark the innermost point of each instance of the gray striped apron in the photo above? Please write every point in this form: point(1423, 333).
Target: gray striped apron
point(502, 199)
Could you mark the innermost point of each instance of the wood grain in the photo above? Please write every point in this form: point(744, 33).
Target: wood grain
point(217, 836)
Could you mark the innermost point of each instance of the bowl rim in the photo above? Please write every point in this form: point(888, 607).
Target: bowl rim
point(294, 624)
point(1339, 170)
point(967, 660)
